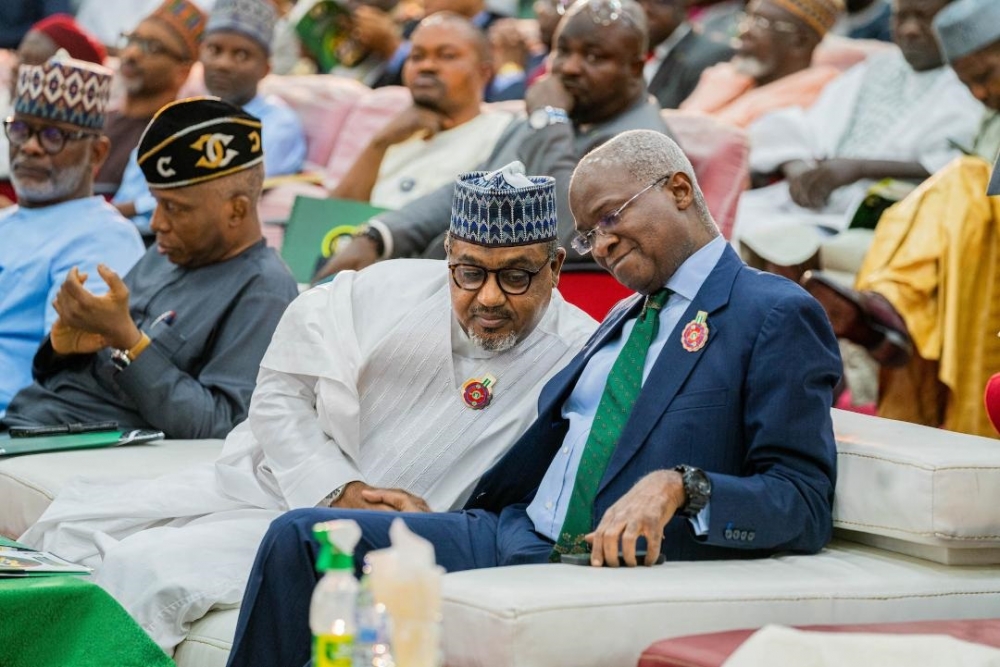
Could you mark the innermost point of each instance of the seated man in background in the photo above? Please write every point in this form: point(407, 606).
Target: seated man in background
point(155, 61)
point(444, 132)
point(176, 345)
point(594, 91)
point(235, 48)
point(55, 144)
point(900, 114)
point(696, 422)
point(679, 52)
point(773, 66)
point(39, 44)
point(370, 396)
point(925, 305)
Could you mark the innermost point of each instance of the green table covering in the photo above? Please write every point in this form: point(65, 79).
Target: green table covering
point(65, 620)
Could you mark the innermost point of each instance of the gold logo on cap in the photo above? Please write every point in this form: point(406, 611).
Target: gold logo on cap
point(216, 153)
point(255, 142)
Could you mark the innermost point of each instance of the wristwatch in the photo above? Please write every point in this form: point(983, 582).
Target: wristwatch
point(545, 116)
point(697, 488)
point(375, 235)
point(123, 358)
point(333, 496)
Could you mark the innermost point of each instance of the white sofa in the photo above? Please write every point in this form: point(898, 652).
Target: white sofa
point(901, 488)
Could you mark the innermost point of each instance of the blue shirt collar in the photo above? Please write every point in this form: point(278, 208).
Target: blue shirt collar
point(691, 275)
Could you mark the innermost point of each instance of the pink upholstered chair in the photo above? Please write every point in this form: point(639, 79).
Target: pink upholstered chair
point(719, 154)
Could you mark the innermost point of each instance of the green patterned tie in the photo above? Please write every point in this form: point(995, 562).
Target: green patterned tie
point(620, 392)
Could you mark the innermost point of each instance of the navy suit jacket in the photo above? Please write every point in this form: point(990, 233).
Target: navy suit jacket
point(751, 408)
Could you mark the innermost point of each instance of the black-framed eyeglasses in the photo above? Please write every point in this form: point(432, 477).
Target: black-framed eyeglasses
point(511, 281)
point(52, 139)
point(583, 242)
point(750, 21)
point(149, 46)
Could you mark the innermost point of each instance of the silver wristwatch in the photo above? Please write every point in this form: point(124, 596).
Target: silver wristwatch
point(545, 116)
point(333, 496)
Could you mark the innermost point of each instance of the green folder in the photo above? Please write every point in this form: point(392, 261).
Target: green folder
point(56, 443)
point(316, 227)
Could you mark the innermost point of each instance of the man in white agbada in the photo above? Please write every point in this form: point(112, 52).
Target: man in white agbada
point(392, 388)
point(900, 114)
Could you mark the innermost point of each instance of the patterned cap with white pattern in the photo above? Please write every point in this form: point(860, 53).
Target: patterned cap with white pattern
point(64, 90)
point(504, 208)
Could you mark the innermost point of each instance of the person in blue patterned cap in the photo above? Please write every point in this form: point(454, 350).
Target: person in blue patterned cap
point(392, 388)
point(174, 346)
point(55, 143)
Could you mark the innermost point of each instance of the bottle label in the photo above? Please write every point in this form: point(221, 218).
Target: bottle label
point(332, 650)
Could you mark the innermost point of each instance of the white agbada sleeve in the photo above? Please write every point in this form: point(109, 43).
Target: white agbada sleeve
point(302, 446)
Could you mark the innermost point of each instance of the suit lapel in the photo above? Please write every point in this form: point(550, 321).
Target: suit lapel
point(674, 364)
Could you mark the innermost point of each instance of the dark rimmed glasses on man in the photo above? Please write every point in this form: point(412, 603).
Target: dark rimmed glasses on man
point(52, 139)
point(512, 282)
point(583, 242)
point(149, 46)
point(750, 21)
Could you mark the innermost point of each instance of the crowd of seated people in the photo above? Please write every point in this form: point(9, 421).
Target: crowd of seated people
point(325, 399)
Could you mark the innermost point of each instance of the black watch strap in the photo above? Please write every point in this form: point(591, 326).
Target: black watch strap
point(375, 235)
point(697, 488)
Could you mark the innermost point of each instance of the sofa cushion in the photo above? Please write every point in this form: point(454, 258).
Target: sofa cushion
point(28, 483)
point(922, 491)
point(543, 615)
point(210, 639)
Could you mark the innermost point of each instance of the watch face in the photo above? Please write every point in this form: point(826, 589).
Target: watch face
point(538, 119)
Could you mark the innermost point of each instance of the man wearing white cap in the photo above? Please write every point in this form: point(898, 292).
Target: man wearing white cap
point(56, 142)
point(394, 388)
point(925, 301)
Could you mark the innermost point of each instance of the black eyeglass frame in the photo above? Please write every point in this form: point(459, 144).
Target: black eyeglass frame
point(499, 277)
point(51, 146)
point(149, 46)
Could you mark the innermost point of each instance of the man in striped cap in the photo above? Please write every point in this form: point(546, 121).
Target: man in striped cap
point(156, 59)
point(773, 66)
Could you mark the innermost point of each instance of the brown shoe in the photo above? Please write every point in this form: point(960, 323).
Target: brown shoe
point(865, 318)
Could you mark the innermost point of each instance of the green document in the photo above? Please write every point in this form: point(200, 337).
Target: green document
point(56, 443)
point(316, 228)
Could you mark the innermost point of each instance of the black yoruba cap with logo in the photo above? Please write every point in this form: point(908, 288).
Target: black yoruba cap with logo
point(196, 140)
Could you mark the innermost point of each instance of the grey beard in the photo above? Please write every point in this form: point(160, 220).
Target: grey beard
point(58, 187)
point(494, 343)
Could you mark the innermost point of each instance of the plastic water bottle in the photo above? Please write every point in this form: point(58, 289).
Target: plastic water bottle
point(332, 610)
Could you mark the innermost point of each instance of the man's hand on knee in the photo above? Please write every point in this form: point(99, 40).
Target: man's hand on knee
point(358, 495)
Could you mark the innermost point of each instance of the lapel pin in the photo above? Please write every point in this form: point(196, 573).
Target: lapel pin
point(695, 334)
point(477, 393)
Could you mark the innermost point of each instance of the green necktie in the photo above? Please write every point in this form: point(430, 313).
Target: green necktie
point(620, 393)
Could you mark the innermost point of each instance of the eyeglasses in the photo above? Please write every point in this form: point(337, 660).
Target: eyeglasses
point(750, 21)
point(583, 242)
point(52, 139)
point(512, 282)
point(149, 46)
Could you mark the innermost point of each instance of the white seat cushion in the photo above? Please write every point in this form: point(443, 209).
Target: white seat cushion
point(28, 483)
point(208, 643)
point(917, 490)
point(543, 615)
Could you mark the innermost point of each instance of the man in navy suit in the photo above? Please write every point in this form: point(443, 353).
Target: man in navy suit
point(726, 452)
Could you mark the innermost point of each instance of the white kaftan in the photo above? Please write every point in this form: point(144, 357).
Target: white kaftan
point(881, 109)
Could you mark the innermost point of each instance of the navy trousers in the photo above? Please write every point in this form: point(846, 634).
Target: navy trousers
point(273, 628)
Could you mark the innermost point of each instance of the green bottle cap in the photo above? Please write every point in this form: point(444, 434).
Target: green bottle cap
point(330, 557)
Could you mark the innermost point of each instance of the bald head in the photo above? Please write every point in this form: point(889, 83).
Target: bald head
point(462, 29)
point(644, 156)
point(639, 210)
